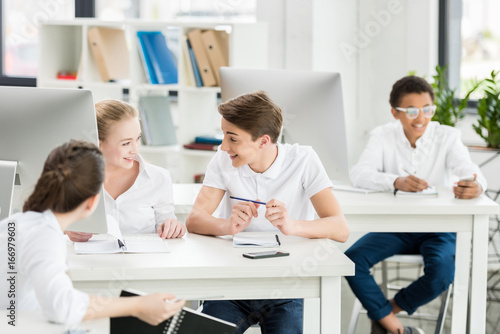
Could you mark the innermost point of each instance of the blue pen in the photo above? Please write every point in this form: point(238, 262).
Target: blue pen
point(247, 200)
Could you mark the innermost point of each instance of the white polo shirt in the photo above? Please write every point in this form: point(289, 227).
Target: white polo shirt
point(294, 177)
point(439, 157)
point(42, 282)
point(145, 205)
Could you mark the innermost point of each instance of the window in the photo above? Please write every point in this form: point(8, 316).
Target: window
point(480, 42)
point(241, 10)
point(20, 22)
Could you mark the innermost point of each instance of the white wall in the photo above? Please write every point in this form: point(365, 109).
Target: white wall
point(371, 43)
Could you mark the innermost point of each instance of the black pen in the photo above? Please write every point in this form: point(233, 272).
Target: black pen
point(247, 200)
point(122, 245)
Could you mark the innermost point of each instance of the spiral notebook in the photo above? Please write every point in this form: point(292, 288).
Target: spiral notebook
point(187, 321)
point(428, 192)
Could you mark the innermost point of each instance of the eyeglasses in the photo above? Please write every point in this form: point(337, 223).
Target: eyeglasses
point(412, 112)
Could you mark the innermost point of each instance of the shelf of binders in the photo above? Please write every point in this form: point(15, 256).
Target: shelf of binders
point(65, 46)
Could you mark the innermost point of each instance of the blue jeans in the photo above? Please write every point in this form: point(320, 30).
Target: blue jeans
point(438, 251)
point(276, 316)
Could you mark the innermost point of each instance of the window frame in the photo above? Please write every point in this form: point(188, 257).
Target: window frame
point(450, 44)
point(83, 8)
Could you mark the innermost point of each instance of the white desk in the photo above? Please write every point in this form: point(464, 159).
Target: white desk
point(383, 212)
point(35, 322)
point(208, 266)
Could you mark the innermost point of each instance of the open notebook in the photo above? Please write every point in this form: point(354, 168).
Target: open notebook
point(257, 240)
point(138, 243)
point(429, 192)
point(115, 242)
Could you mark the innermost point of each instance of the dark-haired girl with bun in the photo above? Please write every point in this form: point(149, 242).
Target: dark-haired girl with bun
point(67, 191)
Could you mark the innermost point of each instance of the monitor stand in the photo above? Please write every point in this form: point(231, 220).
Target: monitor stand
point(7, 178)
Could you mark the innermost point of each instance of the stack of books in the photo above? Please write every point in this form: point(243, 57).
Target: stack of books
point(207, 143)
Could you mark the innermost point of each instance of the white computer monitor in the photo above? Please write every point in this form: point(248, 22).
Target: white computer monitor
point(33, 121)
point(312, 106)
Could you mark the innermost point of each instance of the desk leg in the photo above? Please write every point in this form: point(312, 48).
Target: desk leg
point(330, 305)
point(477, 315)
point(461, 283)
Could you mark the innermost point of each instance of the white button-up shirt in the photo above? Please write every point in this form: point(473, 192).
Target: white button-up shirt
point(42, 282)
point(145, 205)
point(294, 177)
point(439, 158)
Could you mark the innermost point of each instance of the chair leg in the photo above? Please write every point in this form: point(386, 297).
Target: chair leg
point(356, 309)
point(445, 299)
point(385, 280)
point(440, 321)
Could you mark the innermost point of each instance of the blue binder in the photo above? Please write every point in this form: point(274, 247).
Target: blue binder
point(194, 64)
point(157, 58)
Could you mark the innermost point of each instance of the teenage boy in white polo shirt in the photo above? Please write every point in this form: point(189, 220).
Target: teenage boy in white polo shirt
point(290, 178)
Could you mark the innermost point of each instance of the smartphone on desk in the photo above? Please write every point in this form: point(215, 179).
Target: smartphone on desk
point(266, 254)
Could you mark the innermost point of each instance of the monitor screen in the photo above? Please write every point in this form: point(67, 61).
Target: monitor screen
point(312, 107)
point(33, 122)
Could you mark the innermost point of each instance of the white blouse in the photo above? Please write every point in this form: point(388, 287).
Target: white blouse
point(439, 158)
point(40, 264)
point(145, 205)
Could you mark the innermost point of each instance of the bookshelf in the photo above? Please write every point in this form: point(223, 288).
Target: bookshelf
point(64, 47)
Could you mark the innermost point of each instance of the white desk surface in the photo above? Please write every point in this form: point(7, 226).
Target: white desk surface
point(35, 322)
point(353, 203)
point(384, 212)
point(196, 257)
point(386, 203)
point(204, 267)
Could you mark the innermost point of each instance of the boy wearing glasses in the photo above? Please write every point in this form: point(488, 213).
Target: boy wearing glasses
point(433, 154)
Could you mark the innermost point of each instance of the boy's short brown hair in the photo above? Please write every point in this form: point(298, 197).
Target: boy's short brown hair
point(254, 113)
point(408, 85)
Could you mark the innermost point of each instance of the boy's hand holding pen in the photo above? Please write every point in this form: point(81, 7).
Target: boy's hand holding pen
point(410, 183)
point(242, 214)
point(276, 213)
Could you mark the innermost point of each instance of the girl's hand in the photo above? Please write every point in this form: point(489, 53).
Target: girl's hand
point(156, 307)
point(171, 228)
point(78, 236)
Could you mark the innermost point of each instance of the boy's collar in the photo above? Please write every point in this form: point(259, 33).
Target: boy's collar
point(428, 133)
point(273, 171)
